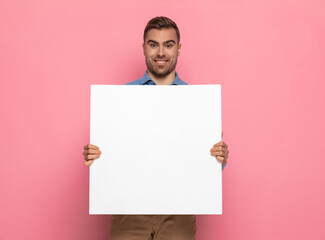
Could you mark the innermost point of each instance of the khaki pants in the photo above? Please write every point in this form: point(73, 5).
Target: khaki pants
point(153, 227)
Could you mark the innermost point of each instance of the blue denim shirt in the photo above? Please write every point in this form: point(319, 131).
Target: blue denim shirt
point(146, 80)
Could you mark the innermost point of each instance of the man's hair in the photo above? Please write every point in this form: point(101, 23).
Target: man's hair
point(159, 23)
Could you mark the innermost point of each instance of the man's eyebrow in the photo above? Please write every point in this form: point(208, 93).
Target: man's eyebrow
point(170, 41)
point(152, 41)
point(158, 43)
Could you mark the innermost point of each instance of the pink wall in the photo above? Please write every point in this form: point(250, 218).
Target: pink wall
point(269, 57)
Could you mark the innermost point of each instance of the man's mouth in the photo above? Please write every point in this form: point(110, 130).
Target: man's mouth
point(161, 61)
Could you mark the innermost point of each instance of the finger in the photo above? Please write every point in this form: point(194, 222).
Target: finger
point(88, 163)
point(221, 143)
point(90, 146)
point(219, 153)
point(91, 152)
point(216, 153)
point(219, 148)
point(221, 159)
point(221, 133)
point(218, 144)
point(89, 157)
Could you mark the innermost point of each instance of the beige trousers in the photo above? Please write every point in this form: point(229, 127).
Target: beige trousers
point(153, 227)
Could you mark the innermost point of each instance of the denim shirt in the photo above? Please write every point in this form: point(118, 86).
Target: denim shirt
point(146, 80)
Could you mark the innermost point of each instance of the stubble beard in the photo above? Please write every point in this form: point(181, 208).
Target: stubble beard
point(159, 74)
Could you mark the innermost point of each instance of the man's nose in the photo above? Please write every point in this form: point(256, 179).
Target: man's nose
point(161, 52)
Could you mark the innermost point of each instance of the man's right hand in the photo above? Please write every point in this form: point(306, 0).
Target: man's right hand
point(91, 152)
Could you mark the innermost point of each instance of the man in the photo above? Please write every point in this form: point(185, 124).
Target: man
point(161, 48)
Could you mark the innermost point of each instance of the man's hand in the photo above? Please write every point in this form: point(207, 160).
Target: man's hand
point(91, 152)
point(220, 151)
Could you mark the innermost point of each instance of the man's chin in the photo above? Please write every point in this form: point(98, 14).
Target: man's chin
point(161, 76)
point(161, 73)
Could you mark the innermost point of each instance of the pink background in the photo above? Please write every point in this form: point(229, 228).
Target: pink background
point(269, 57)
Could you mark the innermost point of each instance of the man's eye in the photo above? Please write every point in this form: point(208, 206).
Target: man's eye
point(152, 45)
point(169, 45)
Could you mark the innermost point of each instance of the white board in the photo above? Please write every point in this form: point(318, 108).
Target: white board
point(155, 143)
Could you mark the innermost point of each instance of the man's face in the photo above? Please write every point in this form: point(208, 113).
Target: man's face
point(161, 49)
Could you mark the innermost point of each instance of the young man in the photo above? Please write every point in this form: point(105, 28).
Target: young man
point(161, 48)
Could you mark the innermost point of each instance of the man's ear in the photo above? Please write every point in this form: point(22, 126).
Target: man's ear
point(179, 49)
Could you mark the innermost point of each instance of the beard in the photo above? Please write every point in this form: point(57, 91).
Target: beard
point(159, 71)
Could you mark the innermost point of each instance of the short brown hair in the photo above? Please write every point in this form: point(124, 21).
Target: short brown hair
point(159, 23)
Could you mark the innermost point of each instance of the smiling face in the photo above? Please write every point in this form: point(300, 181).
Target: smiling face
point(161, 49)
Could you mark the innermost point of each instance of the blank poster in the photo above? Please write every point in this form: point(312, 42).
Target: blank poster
point(155, 143)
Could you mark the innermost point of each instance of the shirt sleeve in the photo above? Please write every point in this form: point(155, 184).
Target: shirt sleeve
point(223, 166)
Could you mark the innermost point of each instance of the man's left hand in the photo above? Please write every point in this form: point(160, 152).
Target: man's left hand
point(220, 151)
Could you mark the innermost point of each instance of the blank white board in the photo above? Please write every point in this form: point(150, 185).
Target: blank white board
point(155, 143)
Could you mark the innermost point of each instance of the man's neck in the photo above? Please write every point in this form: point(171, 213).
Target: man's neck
point(164, 80)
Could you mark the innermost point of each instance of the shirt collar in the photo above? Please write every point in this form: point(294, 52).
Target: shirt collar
point(146, 79)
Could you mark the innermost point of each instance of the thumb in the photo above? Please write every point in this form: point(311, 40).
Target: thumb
point(88, 163)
